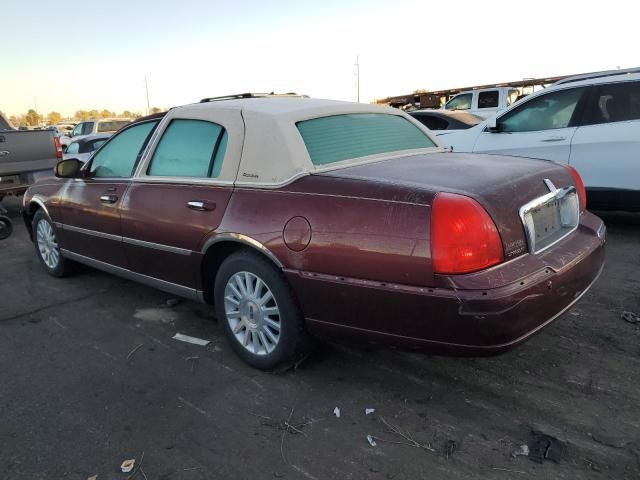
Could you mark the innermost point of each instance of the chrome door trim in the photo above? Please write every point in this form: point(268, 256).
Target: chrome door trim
point(157, 246)
point(180, 290)
point(131, 241)
point(86, 231)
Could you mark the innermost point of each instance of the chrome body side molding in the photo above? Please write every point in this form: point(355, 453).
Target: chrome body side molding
point(244, 239)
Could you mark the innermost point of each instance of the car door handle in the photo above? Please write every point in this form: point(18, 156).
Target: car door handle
point(553, 139)
point(4, 153)
point(201, 205)
point(108, 198)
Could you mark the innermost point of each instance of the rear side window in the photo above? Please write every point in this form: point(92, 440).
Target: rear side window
point(460, 102)
point(111, 125)
point(488, 99)
point(616, 102)
point(343, 137)
point(546, 112)
point(189, 148)
point(432, 123)
point(119, 157)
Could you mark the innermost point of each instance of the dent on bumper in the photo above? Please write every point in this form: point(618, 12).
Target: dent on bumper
point(459, 320)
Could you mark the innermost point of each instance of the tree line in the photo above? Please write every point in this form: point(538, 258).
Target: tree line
point(34, 119)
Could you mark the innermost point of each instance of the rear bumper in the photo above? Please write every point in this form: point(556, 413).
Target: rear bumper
point(485, 312)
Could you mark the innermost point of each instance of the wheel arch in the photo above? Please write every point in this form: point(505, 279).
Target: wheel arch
point(30, 211)
point(216, 249)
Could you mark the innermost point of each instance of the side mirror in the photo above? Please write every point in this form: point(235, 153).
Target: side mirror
point(68, 168)
point(492, 125)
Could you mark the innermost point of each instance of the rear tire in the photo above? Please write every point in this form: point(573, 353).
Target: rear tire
point(259, 313)
point(46, 245)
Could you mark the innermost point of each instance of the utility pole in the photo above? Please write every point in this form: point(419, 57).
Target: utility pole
point(358, 76)
point(146, 87)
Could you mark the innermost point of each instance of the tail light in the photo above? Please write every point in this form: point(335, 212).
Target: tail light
point(463, 236)
point(56, 141)
point(582, 191)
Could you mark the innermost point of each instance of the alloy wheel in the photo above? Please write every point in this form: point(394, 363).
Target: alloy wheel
point(47, 244)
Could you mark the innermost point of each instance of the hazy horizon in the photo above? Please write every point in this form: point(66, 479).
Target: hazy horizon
point(101, 54)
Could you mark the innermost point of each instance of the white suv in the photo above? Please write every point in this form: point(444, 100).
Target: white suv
point(590, 121)
point(93, 127)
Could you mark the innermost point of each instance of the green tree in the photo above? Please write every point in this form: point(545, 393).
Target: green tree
point(156, 110)
point(33, 118)
point(54, 117)
point(106, 113)
point(94, 113)
point(127, 114)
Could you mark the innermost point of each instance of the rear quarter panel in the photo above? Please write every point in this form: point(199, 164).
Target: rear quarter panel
point(382, 235)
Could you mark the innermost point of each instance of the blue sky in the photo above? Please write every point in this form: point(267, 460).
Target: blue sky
point(71, 55)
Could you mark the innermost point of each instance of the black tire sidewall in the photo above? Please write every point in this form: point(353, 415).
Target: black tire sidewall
point(60, 269)
point(6, 229)
point(292, 332)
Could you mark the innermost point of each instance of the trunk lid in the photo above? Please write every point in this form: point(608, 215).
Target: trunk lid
point(501, 184)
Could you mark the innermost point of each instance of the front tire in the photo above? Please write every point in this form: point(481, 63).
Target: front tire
point(46, 244)
point(259, 312)
point(6, 227)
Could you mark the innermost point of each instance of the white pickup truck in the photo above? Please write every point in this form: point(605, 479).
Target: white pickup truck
point(485, 102)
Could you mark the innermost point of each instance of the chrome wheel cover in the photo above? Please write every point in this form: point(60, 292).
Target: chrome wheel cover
point(47, 244)
point(252, 313)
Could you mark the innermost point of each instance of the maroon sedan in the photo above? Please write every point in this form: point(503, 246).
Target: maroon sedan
point(299, 217)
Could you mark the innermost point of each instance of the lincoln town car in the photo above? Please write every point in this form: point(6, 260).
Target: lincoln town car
point(299, 218)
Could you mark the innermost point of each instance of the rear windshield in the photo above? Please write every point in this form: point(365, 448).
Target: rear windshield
point(112, 125)
point(343, 137)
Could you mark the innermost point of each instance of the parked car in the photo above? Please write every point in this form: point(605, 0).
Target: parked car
point(83, 148)
point(303, 216)
point(93, 127)
point(484, 102)
point(442, 122)
point(591, 122)
point(25, 155)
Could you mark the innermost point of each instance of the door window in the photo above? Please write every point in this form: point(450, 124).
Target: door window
point(73, 147)
point(546, 112)
point(189, 148)
point(488, 99)
point(616, 102)
point(77, 130)
point(432, 123)
point(460, 102)
point(88, 128)
point(120, 155)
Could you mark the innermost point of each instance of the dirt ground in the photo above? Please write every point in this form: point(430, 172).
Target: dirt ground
point(90, 376)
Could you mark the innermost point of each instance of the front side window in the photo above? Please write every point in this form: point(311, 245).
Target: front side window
point(88, 128)
point(118, 158)
point(73, 147)
point(616, 102)
point(189, 148)
point(343, 137)
point(92, 146)
point(77, 129)
point(488, 99)
point(460, 102)
point(513, 97)
point(546, 112)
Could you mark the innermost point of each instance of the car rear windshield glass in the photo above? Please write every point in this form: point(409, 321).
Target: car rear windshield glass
point(343, 137)
point(112, 126)
point(189, 148)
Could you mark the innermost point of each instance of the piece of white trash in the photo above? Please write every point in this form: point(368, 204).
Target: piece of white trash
point(369, 411)
point(371, 440)
point(127, 465)
point(522, 451)
point(194, 340)
point(336, 412)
